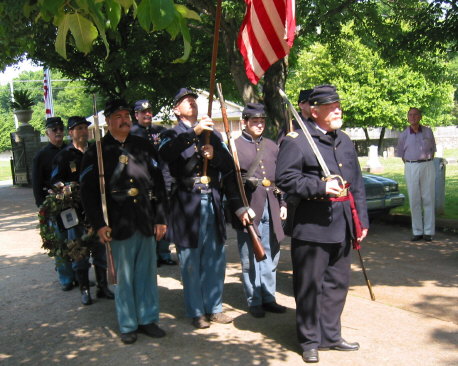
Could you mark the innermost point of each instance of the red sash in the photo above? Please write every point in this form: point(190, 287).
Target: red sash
point(354, 213)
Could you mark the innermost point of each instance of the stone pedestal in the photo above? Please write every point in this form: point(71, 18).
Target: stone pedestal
point(373, 164)
point(25, 143)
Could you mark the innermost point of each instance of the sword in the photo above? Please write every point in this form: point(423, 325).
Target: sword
point(327, 174)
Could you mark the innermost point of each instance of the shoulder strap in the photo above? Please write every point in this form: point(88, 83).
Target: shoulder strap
point(256, 160)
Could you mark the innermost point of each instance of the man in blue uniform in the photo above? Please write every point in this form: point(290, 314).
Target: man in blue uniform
point(66, 169)
point(258, 158)
point(135, 194)
point(322, 227)
point(151, 132)
point(197, 224)
point(41, 182)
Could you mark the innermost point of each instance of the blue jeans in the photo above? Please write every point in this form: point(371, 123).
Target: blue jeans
point(136, 297)
point(259, 278)
point(203, 268)
point(63, 266)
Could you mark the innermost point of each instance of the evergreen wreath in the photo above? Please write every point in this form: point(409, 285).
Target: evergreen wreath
point(53, 235)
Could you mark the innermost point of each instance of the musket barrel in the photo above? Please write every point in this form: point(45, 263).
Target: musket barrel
point(258, 249)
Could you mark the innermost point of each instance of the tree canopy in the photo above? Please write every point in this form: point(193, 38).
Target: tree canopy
point(403, 34)
point(374, 92)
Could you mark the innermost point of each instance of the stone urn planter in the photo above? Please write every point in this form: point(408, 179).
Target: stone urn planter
point(22, 106)
point(23, 116)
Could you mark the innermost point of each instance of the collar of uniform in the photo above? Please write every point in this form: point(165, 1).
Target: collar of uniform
point(320, 129)
point(109, 136)
point(184, 125)
point(249, 138)
point(412, 131)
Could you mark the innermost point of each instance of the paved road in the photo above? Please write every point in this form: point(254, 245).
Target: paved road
point(414, 320)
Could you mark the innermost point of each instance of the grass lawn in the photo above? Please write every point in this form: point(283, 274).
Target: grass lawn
point(394, 168)
point(5, 170)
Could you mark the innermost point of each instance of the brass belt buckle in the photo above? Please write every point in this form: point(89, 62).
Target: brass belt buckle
point(123, 159)
point(266, 182)
point(132, 192)
point(343, 193)
point(205, 179)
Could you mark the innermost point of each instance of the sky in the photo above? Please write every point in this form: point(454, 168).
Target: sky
point(13, 71)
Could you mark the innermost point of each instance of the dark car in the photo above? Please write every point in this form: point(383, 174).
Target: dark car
point(382, 194)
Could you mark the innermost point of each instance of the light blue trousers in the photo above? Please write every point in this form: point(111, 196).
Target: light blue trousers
point(203, 268)
point(259, 278)
point(420, 179)
point(136, 297)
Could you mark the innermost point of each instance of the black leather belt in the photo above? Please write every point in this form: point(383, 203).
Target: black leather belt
point(417, 161)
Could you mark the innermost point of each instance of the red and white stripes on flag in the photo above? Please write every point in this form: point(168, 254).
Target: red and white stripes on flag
point(266, 35)
point(49, 105)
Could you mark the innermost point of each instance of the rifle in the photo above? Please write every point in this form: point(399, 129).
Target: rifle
point(327, 176)
point(111, 271)
point(204, 178)
point(258, 250)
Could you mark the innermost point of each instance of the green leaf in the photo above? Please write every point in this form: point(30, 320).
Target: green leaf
point(62, 23)
point(82, 4)
point(52, 6)
point(126, 4)
point(113, 13)
point(187, 13)
point(186, 42)
point(100, 21)
point(159, 13)
point(83, 30)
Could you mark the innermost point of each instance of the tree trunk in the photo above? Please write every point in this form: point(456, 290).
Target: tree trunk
point(366, 133)
point(235, 61)
point(275, 78)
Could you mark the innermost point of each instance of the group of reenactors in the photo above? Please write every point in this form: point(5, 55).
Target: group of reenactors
point(178, 185)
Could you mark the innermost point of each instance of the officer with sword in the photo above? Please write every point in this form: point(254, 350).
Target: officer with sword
point(319, 165)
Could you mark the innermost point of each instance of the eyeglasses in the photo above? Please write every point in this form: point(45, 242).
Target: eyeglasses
point(55, 129)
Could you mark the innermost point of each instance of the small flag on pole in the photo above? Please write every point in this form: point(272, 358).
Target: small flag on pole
point(266, 35)
point(49, 105)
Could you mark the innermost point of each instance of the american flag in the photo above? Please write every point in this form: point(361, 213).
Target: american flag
point(48, 93)
point(266, 35)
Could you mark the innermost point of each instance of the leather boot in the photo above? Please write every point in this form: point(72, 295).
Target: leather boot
point(102, 283)
point(83, 281)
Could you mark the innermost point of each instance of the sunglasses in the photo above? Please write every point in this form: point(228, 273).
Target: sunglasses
point(55, 129)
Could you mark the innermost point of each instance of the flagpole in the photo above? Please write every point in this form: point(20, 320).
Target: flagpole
point(212, 77)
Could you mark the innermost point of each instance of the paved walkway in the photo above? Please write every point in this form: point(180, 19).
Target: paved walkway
point(413, 322)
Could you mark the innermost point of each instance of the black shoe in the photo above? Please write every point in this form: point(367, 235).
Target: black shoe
point(257, 311)
point(200, 322)
point(129, 338)
point(86, 297)
point(151, 330)
point(67, 287)
point(343, 345)
point(273, 307)
point(169, 262)
point(416, 238)
point(427, 237)
point(311, 356)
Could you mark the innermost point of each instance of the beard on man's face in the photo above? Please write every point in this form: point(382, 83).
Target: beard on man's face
point(336, 124)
